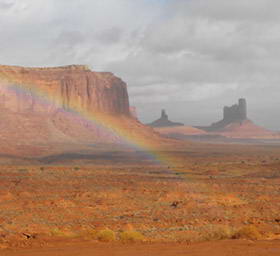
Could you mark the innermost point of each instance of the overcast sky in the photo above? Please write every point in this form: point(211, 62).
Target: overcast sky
point(190, 57)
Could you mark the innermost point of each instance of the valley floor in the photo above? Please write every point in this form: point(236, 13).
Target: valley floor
point(216, 192)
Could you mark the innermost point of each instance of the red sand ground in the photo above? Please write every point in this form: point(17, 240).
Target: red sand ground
point(211, 195)
point(221, 248)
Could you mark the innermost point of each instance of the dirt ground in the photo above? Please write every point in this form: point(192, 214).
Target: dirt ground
point(217, 196)
point(221, 248)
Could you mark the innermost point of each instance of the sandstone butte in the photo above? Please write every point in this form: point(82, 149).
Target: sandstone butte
point(46, 106)
point(235, 124)
point(73, 86)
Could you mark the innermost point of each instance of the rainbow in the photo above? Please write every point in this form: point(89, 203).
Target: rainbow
point(107, 123)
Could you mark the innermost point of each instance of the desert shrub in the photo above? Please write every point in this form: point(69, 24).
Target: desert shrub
point(106, 235)
point(131, 236)
point(217, 232)
point(248, 232)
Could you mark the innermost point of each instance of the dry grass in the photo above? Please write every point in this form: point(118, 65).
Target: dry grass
point(131, 236)
point(217, 232)
point(248, 232)
point(106, 235)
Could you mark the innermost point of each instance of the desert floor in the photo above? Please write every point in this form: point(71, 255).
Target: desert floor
point(217, 200)
point(221, 248)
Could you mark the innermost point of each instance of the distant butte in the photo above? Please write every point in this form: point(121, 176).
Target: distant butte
point(163, 121)
point(235, 114)
point(234, 125)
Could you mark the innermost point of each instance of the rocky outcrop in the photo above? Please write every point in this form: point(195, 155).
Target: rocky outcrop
point(71, 88)
point(163, 121)
point(47, 111)
point(235, 114)
point(236, 125)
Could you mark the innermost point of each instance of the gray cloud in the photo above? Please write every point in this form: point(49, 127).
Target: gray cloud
point(180, 55)
point(110, 36)
point(70, 38)
point(6, 5)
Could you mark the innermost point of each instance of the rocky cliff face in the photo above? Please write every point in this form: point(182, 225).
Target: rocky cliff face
point(47, 111)
point(71, 87)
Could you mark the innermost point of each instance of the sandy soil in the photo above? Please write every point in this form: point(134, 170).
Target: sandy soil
point(214, 193)
point(221, 248)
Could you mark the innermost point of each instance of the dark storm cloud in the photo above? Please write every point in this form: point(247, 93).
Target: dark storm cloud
point(176, 54)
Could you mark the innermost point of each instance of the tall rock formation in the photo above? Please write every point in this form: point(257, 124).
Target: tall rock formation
point(237, 112)
point(235, 125)
point(72, 87)
point(163, 121)
point(44, 109)
point(234, 114)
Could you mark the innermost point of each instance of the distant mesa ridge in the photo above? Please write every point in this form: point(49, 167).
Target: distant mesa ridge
point(163, 121)
point(237, 113)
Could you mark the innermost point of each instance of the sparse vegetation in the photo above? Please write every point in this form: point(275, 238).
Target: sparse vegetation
point(106, 235)
point(217, 232)
point(131, 236)
point(161, 205)
point(248, 232)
